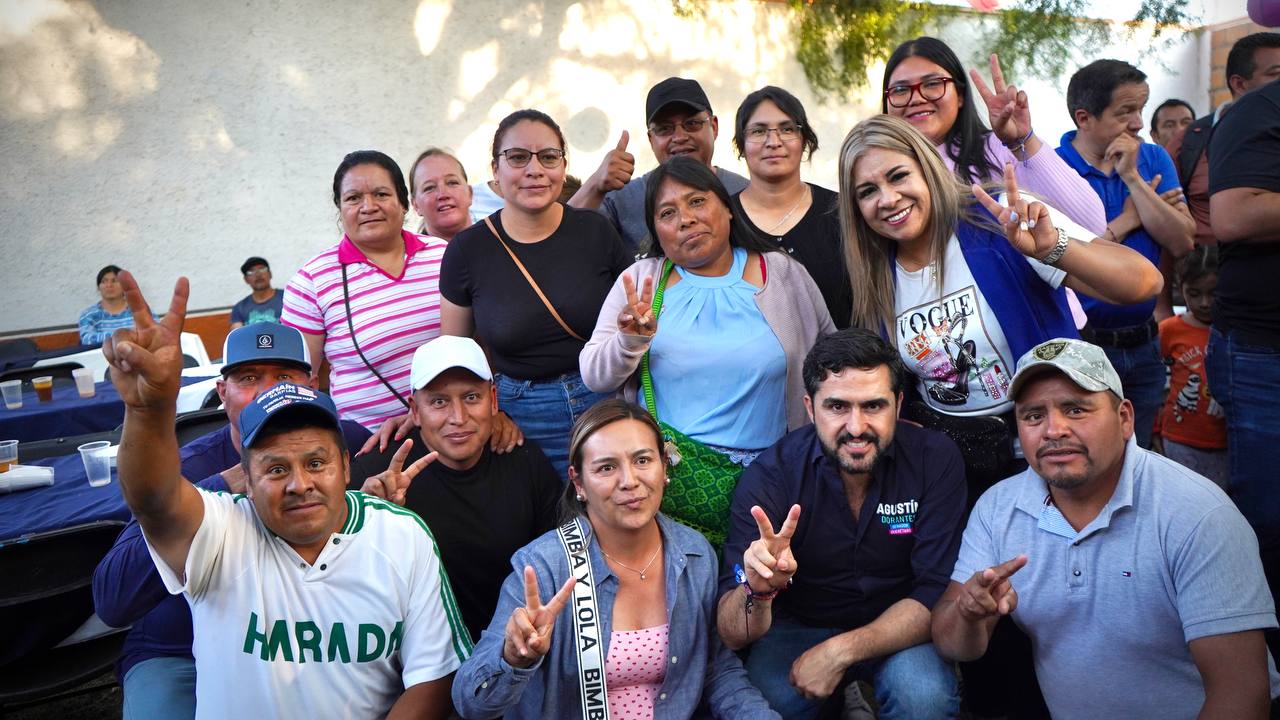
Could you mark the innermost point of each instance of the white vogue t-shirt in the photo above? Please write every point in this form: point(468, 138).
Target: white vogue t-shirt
point(952, 342)
point(339, 638)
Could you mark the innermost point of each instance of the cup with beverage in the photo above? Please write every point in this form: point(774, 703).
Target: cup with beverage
point(44, 387)
point(84, 382)
point(12, 390)
point(8, 454)
point(97, 462)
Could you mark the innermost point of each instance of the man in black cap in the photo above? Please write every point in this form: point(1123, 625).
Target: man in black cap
point(265, 303)
point(680, 123)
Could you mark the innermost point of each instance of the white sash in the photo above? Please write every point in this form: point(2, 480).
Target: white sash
point(586, 625)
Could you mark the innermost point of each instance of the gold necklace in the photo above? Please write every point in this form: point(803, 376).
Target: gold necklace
point(641, 573)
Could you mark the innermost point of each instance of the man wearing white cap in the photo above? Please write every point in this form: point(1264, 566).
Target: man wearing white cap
point(1137, 580)
point(481, 506)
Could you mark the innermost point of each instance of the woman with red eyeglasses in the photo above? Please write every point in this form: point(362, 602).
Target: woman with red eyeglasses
point(925, 84)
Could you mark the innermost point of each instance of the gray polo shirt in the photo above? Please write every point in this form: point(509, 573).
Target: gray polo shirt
point(625, 206)
point(1110, 609)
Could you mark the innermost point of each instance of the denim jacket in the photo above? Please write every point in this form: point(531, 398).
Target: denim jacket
point(700, 666)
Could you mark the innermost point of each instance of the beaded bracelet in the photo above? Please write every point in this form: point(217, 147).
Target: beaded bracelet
point(1021, 145)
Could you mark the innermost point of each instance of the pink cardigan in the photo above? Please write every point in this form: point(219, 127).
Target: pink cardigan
point(789, 301)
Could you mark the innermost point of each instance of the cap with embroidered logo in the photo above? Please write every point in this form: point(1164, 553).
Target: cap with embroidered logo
point(282, 400)
point(1084, 363)
point(265, 342)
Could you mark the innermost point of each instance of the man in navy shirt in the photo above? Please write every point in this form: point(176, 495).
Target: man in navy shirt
point(156, 669)
point(1106, 98)
point(872, 510)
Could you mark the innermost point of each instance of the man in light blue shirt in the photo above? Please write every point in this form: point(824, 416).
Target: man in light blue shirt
point(1137, 580)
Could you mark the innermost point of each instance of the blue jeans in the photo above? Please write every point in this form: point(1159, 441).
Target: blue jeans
point(1142, 373)
point(912, 684)
point(545, 410)
point(162, 687)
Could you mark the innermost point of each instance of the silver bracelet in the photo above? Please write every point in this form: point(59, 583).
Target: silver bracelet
point(1058, 249)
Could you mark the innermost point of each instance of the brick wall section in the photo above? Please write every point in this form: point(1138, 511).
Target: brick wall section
point(1221, 38)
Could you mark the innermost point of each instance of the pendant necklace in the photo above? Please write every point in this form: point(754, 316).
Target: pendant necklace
point(789, 212)
point(641, 573)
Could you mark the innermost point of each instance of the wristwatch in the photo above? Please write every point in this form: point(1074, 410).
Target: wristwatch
point(1058, 249)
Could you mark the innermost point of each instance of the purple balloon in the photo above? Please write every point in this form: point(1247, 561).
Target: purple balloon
point(1265, 12)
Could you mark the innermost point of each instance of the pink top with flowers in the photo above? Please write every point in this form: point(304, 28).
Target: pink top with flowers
point(634, 671)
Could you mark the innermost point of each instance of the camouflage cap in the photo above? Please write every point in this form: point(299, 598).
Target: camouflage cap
point(1086, 364)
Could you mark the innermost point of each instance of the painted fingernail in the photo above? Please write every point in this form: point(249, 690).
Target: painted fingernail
point(1031, 223)
point(1013, 216)
point(1022, 226)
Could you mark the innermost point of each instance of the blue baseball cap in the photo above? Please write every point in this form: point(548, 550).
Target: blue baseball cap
point(265, 342)
point(285, 399)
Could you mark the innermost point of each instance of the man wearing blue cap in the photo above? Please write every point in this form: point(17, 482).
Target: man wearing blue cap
point(298, 607)
point(1137, 580)
point(156, 667)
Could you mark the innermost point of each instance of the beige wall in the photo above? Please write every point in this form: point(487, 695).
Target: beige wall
point(180, 138)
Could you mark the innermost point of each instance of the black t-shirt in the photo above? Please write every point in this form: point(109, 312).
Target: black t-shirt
point(1245, 152)
point(575, 267)
point(815, 243)
point(479, 517)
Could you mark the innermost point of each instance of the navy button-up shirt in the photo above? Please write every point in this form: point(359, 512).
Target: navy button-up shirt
point(1152, 161)
point(902, 545)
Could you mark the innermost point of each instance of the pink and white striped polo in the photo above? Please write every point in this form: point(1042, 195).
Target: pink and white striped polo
point(392, 317)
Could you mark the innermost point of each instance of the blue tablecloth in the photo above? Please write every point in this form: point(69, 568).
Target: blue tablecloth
point(68, 501)
point(67, 414)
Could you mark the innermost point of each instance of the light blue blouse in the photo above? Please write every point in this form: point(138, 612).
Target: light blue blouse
point(719, 371)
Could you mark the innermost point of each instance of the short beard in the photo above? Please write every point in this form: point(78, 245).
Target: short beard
point(833, 453)
point(1066, 481)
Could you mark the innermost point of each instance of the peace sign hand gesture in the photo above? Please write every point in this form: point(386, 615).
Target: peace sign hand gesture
point(989, 593)
point(528, 634)
point(768, 562)
point(1007, 108)
point(392, 483)
point(637, 317)
point(1027, 225)
point(146, 360)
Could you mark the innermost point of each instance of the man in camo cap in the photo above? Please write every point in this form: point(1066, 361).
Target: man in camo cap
point(1137, 580)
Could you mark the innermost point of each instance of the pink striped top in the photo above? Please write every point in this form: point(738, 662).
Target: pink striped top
point(392, 317)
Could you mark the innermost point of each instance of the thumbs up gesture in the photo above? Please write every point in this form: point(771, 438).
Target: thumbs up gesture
point(616, 169)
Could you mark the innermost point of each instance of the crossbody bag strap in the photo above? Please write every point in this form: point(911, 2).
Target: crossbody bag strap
point(646, 377)
point(587, 633)
point(351, 326)
point(550, 308)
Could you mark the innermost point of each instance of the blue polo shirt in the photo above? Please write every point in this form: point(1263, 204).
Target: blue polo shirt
point(903, 544)
point(1152, 161)
point(1110, 608)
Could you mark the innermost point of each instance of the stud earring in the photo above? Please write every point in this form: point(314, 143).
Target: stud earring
point(580, 498)
point(668, 481)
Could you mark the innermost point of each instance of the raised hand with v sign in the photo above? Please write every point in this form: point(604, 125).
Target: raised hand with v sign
point(146, 360)
point(768, 561)
point(528, 633)
point(393, 483)
point(1007, 108)
point(637, 317)
point(1027, 224)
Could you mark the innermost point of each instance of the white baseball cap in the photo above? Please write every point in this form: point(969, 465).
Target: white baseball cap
point(444, 352)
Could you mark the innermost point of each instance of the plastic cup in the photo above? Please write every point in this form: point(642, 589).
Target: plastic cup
point(97, 462)
point(84, 382)
point(8, 454)
point(44, 387)
point(12, 390)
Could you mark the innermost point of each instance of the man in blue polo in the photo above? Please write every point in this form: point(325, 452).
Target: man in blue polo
point(1106, 98)
point(1137, 580)
point(156, 667)
point(870, 511)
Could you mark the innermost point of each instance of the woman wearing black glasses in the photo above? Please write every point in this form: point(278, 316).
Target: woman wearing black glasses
point(529, 281)
point(772, 132)
point(925, 84)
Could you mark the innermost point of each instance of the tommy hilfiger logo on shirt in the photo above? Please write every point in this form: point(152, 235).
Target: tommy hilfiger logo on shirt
point(898, 516)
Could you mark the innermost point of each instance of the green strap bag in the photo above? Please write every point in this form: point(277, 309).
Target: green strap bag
point(702, 480)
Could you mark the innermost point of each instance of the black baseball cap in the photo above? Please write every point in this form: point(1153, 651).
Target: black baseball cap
point(252, 263)
point(675, 90)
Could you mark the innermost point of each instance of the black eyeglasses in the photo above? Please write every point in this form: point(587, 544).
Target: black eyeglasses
point(520, 157)
point(787, 132)
point(930, 89)
point(690, 125)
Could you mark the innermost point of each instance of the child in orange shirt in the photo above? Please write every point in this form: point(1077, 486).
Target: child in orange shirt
point(1191, 427)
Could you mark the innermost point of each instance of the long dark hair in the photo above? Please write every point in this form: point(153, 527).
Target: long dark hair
point(694, 173)
point(966, 141)
point(789, 105)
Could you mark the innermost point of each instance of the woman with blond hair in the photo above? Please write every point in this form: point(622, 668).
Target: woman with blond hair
point(965, 284)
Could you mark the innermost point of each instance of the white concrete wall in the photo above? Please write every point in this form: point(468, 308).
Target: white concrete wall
point(180, 138)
